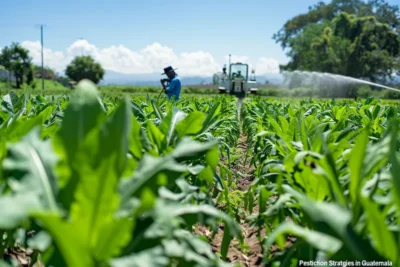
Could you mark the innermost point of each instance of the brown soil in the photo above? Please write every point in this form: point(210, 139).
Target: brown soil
point(253, 254)
point(22, 256)
point(243, 168)
point(253, 236)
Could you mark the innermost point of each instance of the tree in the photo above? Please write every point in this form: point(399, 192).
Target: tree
point(321, 12)
point(358, 47)
point(29, 76)
point(16, 60)
point(84, 67)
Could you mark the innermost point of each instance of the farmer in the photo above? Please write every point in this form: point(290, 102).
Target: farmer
point(173, 89)
point(237, 75)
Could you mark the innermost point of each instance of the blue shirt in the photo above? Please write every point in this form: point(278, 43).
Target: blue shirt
point(174, 87)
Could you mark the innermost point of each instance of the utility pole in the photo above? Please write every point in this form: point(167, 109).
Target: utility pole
point(41, 38)
point(41, 35)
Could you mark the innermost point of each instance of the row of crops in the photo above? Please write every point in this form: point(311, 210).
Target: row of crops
point(99, 181)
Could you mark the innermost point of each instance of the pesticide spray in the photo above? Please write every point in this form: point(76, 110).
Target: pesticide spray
point(326, 83)
point(323, 81)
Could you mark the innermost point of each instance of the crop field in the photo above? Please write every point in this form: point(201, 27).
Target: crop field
point(110, 181)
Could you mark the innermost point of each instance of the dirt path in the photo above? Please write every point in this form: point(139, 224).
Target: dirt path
point(252, 255)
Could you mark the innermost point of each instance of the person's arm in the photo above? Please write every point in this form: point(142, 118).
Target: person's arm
point(171, 87)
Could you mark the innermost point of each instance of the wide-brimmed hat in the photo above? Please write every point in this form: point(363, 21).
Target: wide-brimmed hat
point(167, 69)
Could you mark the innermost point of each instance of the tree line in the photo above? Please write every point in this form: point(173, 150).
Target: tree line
point(17, 61)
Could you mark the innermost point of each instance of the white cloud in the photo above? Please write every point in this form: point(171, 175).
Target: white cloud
point(236, 58)
point(123, 60)
point(262, 66)
point(196, 63)
point(81, 46)
point(158, 57)
point(267, 66)
point(53, 59)
point(151, 59)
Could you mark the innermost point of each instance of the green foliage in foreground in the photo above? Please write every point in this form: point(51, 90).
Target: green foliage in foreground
point(112, 183)
point(334, 171)
point(104, 181)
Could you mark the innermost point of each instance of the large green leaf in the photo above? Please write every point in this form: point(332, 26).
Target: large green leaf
point(321, 241)
point(135, 143)
point(383, 239)
point(170, 125)
point(5, 264)
point(394, 159)
point(200, 214)
point(153, 257)
point(70, 238)
point(211, 116)
point(92, 227)
point(151, 173)
point(187, 149)
point(11, 103)
point(82, 116)
point(156, 137)
point(21, 127)
point(16, 209)
point(356, 171)
point(29, 167)
point(115, 137)
point(191, 125)
point(330, 218)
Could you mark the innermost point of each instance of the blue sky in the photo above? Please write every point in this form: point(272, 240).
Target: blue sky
point(218, 27)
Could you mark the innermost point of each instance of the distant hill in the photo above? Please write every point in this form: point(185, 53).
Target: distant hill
point(115, 78)
point(153, 79)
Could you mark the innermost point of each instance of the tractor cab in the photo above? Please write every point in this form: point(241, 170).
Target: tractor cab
point(238, 73)
point(236, 81)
